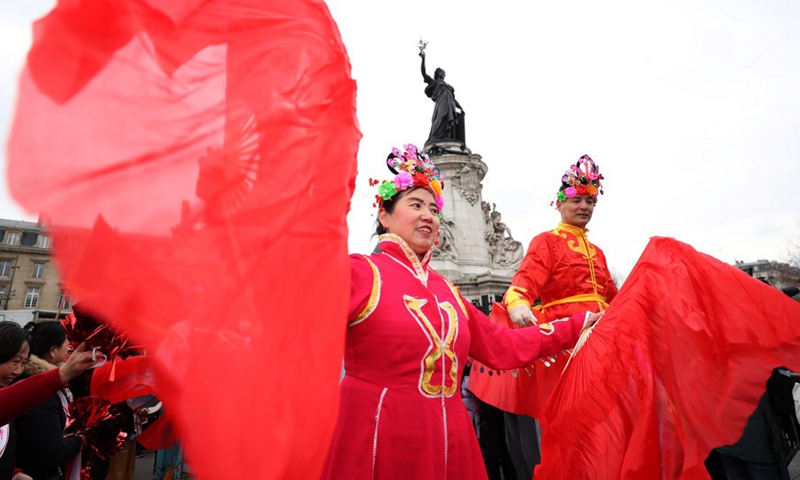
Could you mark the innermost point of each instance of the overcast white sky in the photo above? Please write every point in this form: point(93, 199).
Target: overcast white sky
point(691, 108)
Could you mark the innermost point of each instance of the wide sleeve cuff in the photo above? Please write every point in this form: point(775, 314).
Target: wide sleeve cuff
point(516, 296)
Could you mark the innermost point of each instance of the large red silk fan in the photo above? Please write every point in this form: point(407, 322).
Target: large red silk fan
point(673, 370)
point(195, 161)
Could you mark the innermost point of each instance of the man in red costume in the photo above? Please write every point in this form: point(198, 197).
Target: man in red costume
point(567, 274)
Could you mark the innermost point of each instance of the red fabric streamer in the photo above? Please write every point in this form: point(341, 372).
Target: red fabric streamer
point(673, 370)
point(195, 159)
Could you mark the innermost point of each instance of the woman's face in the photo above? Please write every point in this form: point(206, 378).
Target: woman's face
point(13, 368)
point(415, 219)
point(59, 354)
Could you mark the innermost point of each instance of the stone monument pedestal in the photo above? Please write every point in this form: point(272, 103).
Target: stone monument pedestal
point(475, 251)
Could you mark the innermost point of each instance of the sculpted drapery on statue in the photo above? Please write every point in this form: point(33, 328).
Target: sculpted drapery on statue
point(447, 122)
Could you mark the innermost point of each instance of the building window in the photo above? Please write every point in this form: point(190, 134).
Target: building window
point(38, 270)
point(13, 238)
point(63, 300)
point(5, 268)
point(2, 294)
point(44, 241)
point(32, 297)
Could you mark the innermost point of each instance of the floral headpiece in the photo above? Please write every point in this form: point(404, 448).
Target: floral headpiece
point(583, 178)
point(412, 168)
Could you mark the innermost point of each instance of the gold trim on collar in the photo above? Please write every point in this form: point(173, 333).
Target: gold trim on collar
point(419, 269)
point(577, 231)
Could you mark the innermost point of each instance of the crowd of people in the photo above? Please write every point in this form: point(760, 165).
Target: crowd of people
point(412, 339)
point(33, 444)
point(42, 380)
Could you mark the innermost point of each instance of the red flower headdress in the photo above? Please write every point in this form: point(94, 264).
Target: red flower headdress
point(583, 178)
point(412, 168)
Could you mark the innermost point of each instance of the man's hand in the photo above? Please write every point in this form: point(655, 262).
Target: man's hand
point(522, 315)
point(591, 319)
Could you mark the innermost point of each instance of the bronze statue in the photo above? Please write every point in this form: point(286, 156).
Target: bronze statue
point(447, 122)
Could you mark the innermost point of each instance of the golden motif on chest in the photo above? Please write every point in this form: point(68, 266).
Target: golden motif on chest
point(578, 244)
point(441, 348)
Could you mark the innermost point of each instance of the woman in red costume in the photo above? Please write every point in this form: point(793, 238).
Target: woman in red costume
point(409, 335)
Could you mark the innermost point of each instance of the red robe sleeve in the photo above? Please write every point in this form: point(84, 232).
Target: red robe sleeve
point(20, 397)
point(504, 348)
point(363, 288)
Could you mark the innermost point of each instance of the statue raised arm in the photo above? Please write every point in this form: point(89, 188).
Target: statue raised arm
point(447, 122)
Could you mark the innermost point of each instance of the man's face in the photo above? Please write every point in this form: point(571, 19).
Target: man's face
point(576, 211)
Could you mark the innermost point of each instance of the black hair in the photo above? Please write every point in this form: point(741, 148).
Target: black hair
point(12, 337)
point(387, 205)
point(44, 336)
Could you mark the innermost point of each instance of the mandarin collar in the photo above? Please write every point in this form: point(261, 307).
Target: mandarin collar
point(394, 246)
point(577, 231)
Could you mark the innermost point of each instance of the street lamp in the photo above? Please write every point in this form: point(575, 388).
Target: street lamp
point(11, 281)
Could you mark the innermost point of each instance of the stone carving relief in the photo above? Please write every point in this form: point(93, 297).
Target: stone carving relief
point(446, 249)
point(504, 250)
point(468, 184)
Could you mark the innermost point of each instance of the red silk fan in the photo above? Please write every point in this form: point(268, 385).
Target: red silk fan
point(195, 159)
point(672, 370)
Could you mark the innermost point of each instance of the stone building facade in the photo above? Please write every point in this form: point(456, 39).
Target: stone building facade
point(782, 276)
point(29, 279)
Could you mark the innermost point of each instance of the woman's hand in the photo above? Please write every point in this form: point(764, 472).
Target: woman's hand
point(21, 476)
point(77, 363)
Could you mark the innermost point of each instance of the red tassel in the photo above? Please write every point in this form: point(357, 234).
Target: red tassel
point(113, 373)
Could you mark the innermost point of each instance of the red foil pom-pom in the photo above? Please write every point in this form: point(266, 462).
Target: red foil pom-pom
point(84, 328)
point(92, 418)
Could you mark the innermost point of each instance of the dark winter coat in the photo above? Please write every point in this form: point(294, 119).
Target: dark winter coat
point(42, 449)
point(8, 456)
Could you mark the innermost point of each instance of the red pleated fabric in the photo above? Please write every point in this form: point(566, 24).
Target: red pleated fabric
point(195, 160)
point(673, 370)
